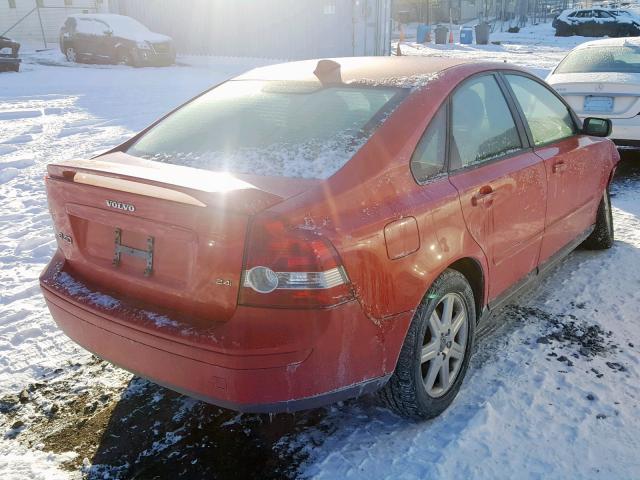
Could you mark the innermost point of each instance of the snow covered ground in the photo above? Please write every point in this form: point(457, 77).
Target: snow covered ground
point(552, 392)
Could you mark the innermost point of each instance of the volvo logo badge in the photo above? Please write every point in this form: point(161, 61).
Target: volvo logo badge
point(599, 87)
point(127, 207)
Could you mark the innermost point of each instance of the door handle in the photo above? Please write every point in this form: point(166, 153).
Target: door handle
point(484, 197)
point(559, 167)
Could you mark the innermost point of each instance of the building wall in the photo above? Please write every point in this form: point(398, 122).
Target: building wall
point(277, 29)
point(52, 15)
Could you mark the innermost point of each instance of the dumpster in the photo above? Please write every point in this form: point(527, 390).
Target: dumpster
point(441, 34)
point(466, 35)
point(482, 33)
point(423, 32)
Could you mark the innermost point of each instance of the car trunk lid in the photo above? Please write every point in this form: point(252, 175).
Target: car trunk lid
point(611, 95)
point(159, 234)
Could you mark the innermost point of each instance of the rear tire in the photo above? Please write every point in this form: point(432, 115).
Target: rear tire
point(564, 31)
point(602, 236)
point(414, 390)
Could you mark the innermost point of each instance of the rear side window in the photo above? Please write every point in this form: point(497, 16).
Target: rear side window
point(428, 161)
point(482, 127)
point(274, 128)
point(548, 118)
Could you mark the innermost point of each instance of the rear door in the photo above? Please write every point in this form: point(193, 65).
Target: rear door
point(572, 161)
point(501, 183)
point(586, 23)
point(103, 40)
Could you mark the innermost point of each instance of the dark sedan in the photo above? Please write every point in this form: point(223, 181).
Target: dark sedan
point(9, 61)
point(118, 39)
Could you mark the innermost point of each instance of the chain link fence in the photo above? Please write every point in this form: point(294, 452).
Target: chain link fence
point(38, 22)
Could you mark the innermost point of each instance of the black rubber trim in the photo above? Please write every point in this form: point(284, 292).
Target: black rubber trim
point(626, 143)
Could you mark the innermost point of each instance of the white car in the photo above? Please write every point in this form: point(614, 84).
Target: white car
point(602, 78)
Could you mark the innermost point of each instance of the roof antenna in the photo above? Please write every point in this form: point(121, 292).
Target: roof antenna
point(328, 72)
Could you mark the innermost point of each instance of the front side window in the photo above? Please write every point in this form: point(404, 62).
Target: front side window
point(603, 14)
point(548, 118)
point(428, 160)
point(126, 27)
point(482, 127)
point(277, 128)
point(89, 26)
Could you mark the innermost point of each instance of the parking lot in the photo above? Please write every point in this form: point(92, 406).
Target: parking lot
point(553, 389)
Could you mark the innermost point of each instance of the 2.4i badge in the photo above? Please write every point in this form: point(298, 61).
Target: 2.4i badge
point(127, 207)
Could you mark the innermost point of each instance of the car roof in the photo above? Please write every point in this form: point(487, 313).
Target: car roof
point(404, 71)
point(98, 16)
point(611, 42)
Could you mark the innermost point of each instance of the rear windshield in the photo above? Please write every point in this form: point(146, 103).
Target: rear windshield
point(625, 59)
point(290, 129)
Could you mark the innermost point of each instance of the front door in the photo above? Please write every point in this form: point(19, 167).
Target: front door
point(573, 168)
point(501, 183)
point(87, 30)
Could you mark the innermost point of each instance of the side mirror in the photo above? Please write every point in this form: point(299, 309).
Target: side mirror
point(597, 127)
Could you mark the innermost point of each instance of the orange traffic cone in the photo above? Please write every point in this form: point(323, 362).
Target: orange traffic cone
point(450, 36)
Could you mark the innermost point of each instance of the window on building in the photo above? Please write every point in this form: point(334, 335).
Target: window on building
point(40, 3)
point(68, 3)
point(12, 3)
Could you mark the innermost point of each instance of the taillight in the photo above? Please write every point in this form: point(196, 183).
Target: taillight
point(291, 268)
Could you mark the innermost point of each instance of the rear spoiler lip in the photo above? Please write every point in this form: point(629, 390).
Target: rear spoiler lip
point(247, 194)
point(247, 201)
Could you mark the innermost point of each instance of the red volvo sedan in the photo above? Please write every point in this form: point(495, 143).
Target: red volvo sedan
point(312, 231)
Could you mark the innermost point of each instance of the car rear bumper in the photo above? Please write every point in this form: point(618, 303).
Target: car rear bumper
point(312, 358)
point(627, 143)
point(8, 64)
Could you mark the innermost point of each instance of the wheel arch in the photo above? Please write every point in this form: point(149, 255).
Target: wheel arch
point(473, 272)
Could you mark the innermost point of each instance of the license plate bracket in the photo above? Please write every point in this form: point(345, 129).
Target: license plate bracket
point(122, 249)
point(595, 103)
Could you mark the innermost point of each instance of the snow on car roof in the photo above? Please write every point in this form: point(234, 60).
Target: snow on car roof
point(610, 42)
point(100, 16)
point(121, 24)
point(404, 72)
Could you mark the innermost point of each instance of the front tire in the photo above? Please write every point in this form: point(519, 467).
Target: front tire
point(71, 55)
point(435, 354)
point(602, 236)
point(124, 57)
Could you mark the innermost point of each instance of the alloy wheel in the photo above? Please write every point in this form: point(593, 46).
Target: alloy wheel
point(444, 345)
point(71, 54)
